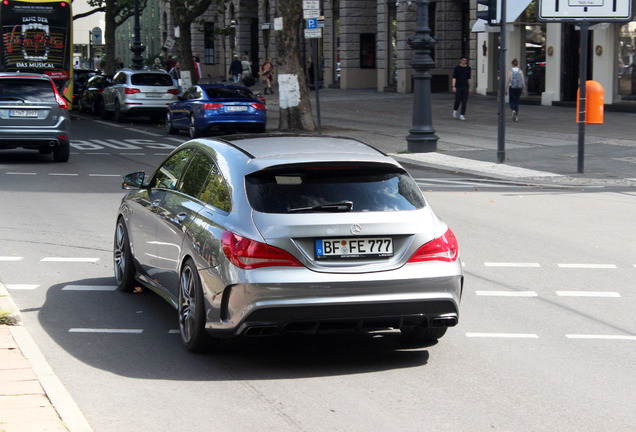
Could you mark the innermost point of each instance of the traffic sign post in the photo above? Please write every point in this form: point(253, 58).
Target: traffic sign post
point(585, 10)
point(584, 13)
point(311, 13)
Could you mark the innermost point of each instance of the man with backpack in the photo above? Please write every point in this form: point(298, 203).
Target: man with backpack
point(515, 85)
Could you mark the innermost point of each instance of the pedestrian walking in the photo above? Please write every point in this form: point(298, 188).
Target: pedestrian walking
point(266, 73)
point(246, 75)
point(462, 86)
point(236, 69)
point(515, 87)
point(197, 69)
point(170, 63)
point(175, 73)
point(310, 72)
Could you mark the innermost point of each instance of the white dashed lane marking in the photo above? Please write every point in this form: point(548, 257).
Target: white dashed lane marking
point(89, 288)
point(96, 330)
point(507, 293)
point(17, 287)
point(11, 258)
point(503, 335)
point(587, 294)
point(67, 259)
point(504, 264)
point(607, 337)
point(588, 266)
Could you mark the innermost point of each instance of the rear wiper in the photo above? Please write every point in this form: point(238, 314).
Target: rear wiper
point(342, 206)
point(12, 98)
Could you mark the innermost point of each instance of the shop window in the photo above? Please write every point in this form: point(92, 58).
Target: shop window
point(208, 44)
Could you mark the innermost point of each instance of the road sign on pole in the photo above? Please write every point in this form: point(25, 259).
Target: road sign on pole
point(313, 33)
point(588, 10)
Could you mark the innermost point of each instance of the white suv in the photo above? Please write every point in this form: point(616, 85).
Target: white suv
point(139, 92)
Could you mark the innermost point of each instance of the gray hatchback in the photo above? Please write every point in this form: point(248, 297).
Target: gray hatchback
point(260, 236)
point(33, 115)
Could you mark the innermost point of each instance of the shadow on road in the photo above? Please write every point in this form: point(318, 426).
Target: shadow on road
point(157, 352)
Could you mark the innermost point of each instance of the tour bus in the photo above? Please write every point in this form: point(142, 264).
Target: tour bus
point(37, 37)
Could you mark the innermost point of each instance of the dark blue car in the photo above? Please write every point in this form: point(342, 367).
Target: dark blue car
point(208, 108)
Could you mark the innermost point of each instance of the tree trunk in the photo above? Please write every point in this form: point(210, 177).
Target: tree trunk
point(108, 62)
point(184, 47)
point(295, 107)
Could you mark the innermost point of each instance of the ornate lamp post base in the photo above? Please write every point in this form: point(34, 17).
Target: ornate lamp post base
point(422, 138)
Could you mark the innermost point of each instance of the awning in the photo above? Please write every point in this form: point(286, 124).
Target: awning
point(514, 8)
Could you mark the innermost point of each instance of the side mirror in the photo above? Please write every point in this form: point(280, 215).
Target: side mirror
point(133, 181)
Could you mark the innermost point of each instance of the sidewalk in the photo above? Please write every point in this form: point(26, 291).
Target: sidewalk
point(32, 398)
point(542, 146)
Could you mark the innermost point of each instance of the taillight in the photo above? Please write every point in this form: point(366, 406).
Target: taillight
point(249, 254)
point(212, 106)
point(258, 106)
point(262, 98)
point(443, 248)
point(61, 102)
point(131, 90)
point(174, 91)
point(100, 90)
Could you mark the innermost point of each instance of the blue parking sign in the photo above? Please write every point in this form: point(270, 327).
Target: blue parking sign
point(312, 23)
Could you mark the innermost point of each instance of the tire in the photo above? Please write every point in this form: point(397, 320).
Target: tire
point(123, 259)
point(192, 129)
point(192, 310)
point(120, 117)
point(417, 334)
point(170, 129)
point(62, 152)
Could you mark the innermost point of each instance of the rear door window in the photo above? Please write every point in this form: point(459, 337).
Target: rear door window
point(357, 188)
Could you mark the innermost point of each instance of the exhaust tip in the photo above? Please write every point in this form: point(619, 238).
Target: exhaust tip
point(444, 321)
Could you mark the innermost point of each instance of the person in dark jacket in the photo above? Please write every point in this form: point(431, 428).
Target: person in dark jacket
point(236, 69)
point(462, 86)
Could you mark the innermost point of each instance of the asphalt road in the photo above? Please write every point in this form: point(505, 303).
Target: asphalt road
point(545, 340)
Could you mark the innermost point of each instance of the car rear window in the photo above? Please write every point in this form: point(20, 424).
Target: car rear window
point(33, 90)
point(151, 79)
point(344, 187)
point(232, 93)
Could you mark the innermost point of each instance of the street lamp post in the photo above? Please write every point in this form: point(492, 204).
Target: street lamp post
point(422, 136)
point(137, 48)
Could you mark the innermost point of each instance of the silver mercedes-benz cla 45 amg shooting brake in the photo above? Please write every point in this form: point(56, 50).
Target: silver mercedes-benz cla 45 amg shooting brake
point(267, 235)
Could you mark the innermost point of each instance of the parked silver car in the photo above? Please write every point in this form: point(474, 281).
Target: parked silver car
point(33, 115)
point(139, 92)
point(259, 236)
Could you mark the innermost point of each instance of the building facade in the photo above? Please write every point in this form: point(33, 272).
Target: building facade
point(364, 44)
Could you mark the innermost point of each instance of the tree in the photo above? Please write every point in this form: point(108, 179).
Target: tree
point(184, 13)
point(116, 13)
point(295, 107)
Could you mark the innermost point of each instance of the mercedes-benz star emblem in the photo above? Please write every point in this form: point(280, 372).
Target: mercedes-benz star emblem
point(356, 229)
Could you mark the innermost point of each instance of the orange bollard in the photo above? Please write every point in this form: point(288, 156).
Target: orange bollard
point(594, 103)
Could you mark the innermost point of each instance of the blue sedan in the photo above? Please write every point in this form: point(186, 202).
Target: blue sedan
point(208, 108)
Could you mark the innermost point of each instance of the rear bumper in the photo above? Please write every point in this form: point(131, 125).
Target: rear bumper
point(10, 139)
point(264, 309)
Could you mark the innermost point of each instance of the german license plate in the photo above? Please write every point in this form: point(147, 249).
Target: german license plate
point(23, 113)
point(236, 108)
point(354, 247)
point(154, 95)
